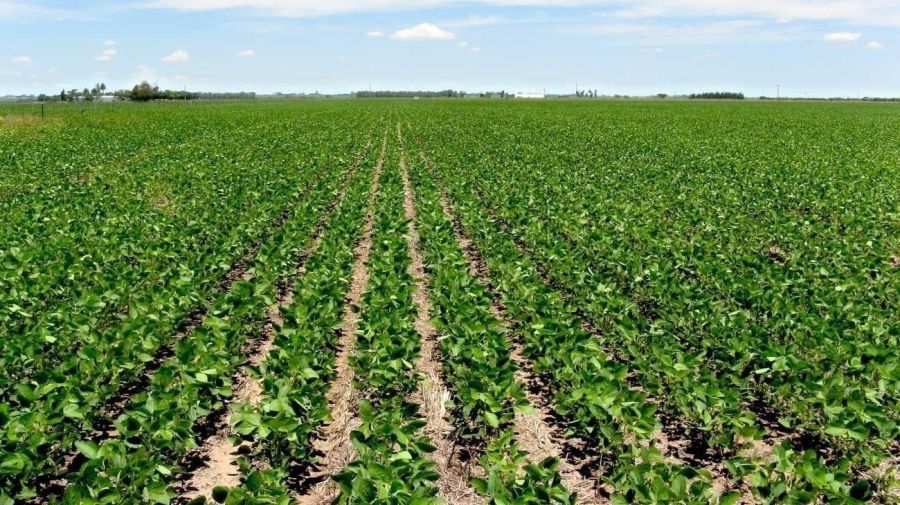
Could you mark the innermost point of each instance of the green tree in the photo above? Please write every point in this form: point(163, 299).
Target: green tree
point(143, 92)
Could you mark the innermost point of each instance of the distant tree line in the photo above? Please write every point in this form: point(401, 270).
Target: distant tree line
point(833, 99)
point(144, 92)
point(447, 93)
point(75, 95)
point(718, 95)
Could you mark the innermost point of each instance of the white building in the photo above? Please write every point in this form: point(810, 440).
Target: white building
point(107, 98)
point(529, 95)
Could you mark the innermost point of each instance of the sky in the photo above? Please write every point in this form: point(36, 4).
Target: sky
point(802, 47)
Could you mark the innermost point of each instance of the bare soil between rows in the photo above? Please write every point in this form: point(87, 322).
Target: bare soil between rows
point(312, 483)
point(433, 394)
point(215, 462)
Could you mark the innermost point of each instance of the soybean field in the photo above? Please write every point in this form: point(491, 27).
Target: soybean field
point(450, 301)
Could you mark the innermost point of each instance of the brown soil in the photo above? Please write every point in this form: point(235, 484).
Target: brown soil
point(534, 434)
point(433, 395)
point(888, 472)
point(333, 441)
point(776, 254)
point(219, 454)
point(23, 120)
point(677, 440)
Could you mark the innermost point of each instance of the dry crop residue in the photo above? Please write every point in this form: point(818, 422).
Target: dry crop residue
point(432, 394)
point(333, 442)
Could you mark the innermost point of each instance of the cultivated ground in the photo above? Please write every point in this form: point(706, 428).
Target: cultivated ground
point(450, 301)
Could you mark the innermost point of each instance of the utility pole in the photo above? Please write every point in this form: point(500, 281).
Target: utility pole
point(778, 91)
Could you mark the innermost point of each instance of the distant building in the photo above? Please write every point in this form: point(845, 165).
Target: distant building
point(107, 99)
point(529, 95)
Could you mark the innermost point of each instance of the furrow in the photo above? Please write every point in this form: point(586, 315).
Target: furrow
point(432, 393)
point(104, 428)
point(218, 454)
point(678, 440)
point(534, 431)
point(615, 449)
point(333, 441)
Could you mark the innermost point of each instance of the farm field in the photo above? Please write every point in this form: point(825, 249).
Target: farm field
point(419, 302)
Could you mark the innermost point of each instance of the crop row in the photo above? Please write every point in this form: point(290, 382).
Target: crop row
point(476, 360)
point(298, 370)
point(784, 302)
point(668, 371)
point(392, 463)
point(75, 411)
point(85, 245)
point(591, 390)
point(160, 424)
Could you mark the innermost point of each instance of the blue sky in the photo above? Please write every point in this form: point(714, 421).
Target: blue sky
point(808, 47)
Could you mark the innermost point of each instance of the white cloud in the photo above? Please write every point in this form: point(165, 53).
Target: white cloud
point(869, 12)
point(246, 53)
point(107, 54)
point(654, 34)
point(476, 21)
point(424, 31)
point(842, 37)
point(179, 56)
point(711, 56)
point(13, 10)
point(642, 11)
point(21, 60)
point(375, 34)
point(464, 44)
point(109, 43)
point(875, 45)
point(143, 72)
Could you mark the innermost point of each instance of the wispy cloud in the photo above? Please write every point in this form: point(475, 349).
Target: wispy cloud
point(246, 53)
point(711, 56)
point(21, 60)
point(109, 52)
point(12, 10)
point(842, 37)
point(144, 72)
point(375, 34)
point(666, 33)
point(179, 56)
point(872, 12)
point(875, 45)
point(424, 31)
point(476, 21)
